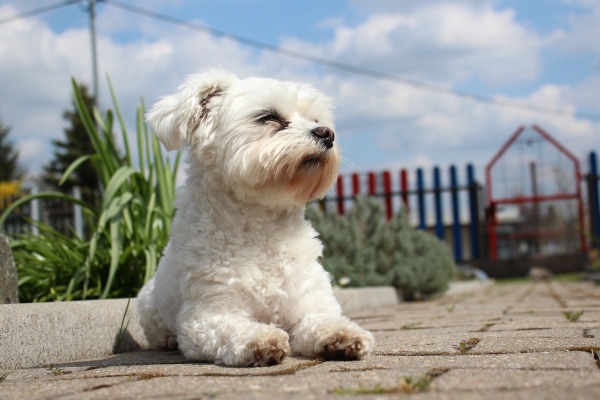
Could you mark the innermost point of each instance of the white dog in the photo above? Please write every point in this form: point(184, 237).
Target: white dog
point(239, 283)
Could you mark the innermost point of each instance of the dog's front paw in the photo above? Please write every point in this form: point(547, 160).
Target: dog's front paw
point(332, 338)
point(347, 344)
point(265, 346)
point(269, 351)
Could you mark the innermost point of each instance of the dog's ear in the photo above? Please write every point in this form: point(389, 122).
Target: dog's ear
point(174, 118)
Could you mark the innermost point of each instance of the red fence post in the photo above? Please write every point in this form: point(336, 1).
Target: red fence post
point(404, 190)
point(340, 194)
point(355, 184)
point(372, 184)
point(387, 190)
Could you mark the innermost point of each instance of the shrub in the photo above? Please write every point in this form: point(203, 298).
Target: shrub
point(355, 244)
point(369, 251)
point(127, 233)
point(423, 265)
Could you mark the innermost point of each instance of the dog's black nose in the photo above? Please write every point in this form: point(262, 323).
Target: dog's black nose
point(324, 135)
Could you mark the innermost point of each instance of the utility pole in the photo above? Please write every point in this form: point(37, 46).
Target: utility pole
point(92, 11)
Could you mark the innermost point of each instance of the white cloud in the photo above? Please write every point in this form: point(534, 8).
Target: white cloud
point(380, 123)
point(39, 63)
point(443, 42)
point(30, 149)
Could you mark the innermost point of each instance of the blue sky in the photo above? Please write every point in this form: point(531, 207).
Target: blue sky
point(544, 52)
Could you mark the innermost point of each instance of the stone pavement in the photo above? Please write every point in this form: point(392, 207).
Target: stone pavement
point(518, 341)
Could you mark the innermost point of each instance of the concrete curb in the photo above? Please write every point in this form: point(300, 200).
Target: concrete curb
point(50, 333)
point(356, 299)
point(47, 333)
point(461, 287)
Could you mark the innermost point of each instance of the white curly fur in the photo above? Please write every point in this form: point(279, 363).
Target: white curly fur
point(239, 283)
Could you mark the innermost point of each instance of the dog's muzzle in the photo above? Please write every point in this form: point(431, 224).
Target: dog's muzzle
point(324, 135)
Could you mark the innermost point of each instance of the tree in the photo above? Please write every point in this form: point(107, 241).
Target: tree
point(76, 144)
point(9, 164)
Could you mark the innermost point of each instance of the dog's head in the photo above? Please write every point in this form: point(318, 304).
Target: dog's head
point(269, 141)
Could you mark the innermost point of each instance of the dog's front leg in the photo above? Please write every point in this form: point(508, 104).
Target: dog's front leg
point(230, 338)
point(331, 337)
point(321, 329)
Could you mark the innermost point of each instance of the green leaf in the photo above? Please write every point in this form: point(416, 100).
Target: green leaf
point(114, 185)
point(74, 165)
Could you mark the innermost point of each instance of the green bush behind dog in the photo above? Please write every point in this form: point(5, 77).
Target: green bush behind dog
point(368, 251)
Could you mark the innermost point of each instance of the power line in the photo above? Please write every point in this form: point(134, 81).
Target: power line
point(351, 68)
point(36, 11)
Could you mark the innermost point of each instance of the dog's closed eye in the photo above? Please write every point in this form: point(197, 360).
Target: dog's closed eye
point(273, 119)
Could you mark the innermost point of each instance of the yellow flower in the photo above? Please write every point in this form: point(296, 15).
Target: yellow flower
point(8, 190)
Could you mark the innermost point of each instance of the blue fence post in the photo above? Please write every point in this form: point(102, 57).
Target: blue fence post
point(456, 231)
point(473, 212)
point(437, 194)
point(421, 198)
point(594, 199)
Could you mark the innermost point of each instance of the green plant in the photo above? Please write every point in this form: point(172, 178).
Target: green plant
point(423, 265)
point(76, 143)
point(358, 249)
point(573, 316)
point(122, 330)
point(364, 390)
point(410, 385)
point(406, 385)
point(57, 371)
point(369, 251)
point(466, 345)
point(414, 325)
point(128, 231)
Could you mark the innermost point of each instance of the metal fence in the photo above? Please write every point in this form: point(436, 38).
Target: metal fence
point(63, 216)
point(451, 206)
point(459, 212)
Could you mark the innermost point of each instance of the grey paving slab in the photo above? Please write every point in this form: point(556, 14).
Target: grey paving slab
point(497, 345)
point(558, 333)
point(520, 324)
point(502, 379)
point(518, 344)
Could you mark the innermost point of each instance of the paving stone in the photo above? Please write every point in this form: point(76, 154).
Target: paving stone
point(518, 355)
point(540, 333)
point(497, 345)
point(554, 322)
point(502, 379)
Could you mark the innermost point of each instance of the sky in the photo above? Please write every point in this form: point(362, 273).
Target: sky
point(524, 53)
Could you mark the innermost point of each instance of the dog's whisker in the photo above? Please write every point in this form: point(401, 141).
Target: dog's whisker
point(348, 162)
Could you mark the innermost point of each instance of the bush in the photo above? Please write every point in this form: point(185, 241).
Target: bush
point(357, 246)
point(368, 251)
point(423, 264)
point(127, 233)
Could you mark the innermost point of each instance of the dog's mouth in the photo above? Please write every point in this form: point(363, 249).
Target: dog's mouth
point(314, 161)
